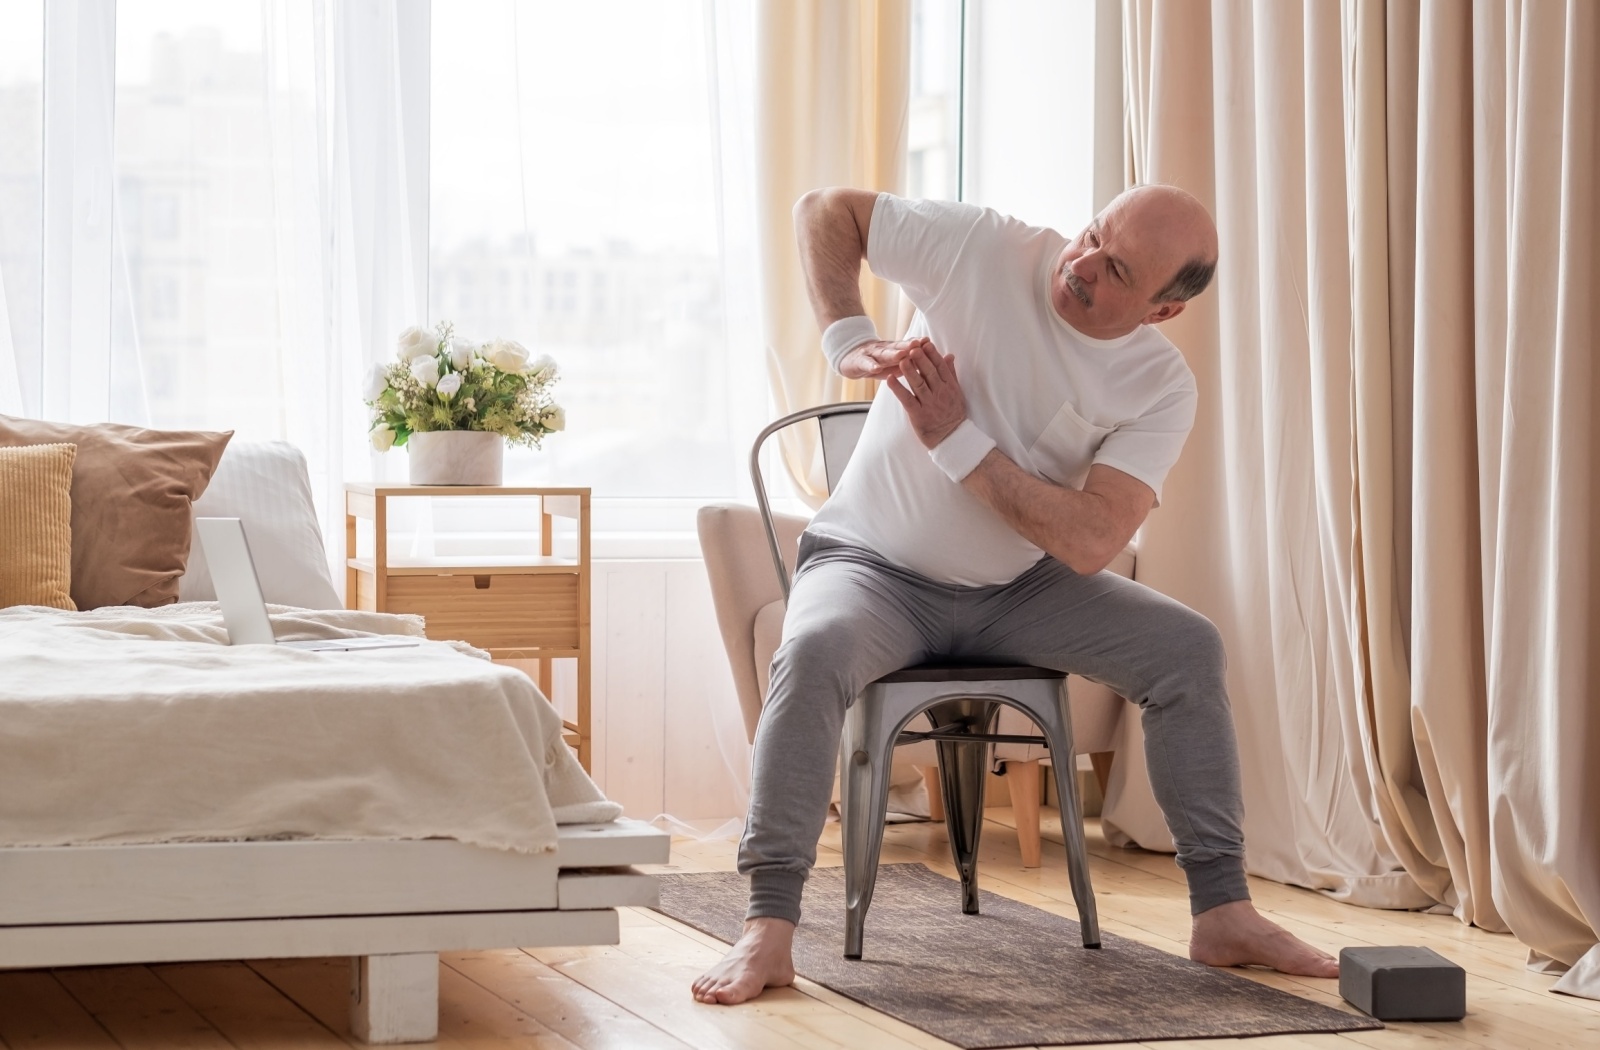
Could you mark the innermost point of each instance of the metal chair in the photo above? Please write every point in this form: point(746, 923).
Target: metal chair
point(961, 701)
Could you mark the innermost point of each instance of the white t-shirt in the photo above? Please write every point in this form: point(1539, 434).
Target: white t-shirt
point(1054, 400)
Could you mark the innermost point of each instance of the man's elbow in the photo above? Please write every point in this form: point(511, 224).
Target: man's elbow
point(1088, 558)
point(835, 206)
point(1088, 563)
point(818, 202)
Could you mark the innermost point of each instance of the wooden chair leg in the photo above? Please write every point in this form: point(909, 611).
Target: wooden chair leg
point(1024, 780)
point(1101, 760)
point(930, 780)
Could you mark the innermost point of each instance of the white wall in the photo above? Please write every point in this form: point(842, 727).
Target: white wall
point(661, 687)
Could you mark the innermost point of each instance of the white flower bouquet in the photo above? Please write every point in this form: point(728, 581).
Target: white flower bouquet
point(443, 382)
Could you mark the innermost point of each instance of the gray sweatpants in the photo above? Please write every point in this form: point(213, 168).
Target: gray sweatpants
point(853, 617)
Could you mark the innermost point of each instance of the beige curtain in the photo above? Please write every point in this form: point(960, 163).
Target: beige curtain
point(1391, 500)
point(832, 96)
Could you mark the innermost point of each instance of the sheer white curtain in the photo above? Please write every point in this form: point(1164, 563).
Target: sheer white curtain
point(21, 202)
point(376, 218)
point(74, 362)
point(730, 29)
point(233, 202)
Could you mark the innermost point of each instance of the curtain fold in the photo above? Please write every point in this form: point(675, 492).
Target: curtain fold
point(833, 90)
point(78, 189)
point(1543, 638)
point(1256, 533)
point(1389, 502)
point(241, 281)
point(22, 218)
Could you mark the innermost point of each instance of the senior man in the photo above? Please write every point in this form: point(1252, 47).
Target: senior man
point(976, 515)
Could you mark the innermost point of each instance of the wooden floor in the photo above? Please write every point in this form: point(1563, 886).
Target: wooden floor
point(636, 995)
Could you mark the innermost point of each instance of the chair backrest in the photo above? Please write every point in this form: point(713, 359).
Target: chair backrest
point(839, 427)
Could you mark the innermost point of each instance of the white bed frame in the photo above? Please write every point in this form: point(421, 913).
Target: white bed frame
point(391, 905)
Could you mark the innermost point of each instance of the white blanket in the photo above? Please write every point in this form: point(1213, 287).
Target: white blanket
point(132, 725)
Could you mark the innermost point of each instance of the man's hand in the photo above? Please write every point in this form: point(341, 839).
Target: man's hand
point(876, 359)
point(928, 389)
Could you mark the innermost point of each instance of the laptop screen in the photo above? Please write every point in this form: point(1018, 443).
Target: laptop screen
point(233, 573)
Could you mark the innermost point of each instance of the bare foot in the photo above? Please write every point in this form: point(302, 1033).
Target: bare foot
point(1235, 934)
point(762, 958)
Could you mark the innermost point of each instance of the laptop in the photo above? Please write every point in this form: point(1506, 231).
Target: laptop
point(233, 573)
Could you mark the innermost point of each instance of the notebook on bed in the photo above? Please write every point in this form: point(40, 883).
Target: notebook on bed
point(233, 572)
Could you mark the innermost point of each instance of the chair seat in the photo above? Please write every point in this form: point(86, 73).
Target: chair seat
point(957, 672)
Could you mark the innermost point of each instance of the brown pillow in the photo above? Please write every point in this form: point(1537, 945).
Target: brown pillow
point(36, 526)
point(131, 494)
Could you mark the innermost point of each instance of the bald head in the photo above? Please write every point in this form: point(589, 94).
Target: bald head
point(1174, 216)
point(1151, 250)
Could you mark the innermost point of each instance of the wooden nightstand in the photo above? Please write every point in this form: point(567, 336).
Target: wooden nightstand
point(527, 607)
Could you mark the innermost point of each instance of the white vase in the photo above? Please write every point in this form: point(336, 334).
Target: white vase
point(456, 457)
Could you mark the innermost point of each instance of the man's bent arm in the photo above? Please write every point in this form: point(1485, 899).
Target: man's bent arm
point(831, 227)
point(1083, 530)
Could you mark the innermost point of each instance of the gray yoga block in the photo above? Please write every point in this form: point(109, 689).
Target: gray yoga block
point(1403, 984)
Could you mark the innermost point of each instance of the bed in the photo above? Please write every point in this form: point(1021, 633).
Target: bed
point(167, 797)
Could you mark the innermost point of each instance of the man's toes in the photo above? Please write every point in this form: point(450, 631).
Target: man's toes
point(731, 994)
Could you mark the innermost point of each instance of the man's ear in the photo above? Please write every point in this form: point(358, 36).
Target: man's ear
point(1165, 312)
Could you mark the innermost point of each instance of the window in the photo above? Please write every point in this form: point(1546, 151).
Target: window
point(265, 193)
point(163, 299)
point(573, 160)
point(193, 244)
point(933, 140)
point(163, 216)
point(1003, 107)
point(21, 203)
point(1030, 110)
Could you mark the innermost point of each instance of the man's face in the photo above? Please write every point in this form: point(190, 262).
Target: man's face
point(1106, 279)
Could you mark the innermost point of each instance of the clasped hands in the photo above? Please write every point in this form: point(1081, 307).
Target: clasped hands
point(922, 378)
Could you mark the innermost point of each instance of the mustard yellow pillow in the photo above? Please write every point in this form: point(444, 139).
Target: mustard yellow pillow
point(36, 525)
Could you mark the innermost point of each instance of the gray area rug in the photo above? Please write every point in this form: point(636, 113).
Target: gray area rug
point(1014, 975)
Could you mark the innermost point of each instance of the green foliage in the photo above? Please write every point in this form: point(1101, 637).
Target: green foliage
point(499, 390)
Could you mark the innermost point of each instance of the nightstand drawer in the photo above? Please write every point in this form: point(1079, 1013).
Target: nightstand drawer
point(493, 611)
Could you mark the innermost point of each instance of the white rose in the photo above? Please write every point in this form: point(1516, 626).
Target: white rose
point(461, 351)
point(414, 342)
point(508, 356)
point(448, 385)
point(375, 384)
point(554, 418)
point(543, 366)
point(426, 369)
point(382, 437)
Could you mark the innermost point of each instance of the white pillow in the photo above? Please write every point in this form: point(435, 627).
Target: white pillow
point(265, 485)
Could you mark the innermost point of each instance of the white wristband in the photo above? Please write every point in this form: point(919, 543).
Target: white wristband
point(844, 335)
point(960, 453)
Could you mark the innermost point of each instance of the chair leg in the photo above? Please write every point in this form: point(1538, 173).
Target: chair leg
point(1023, 778)
point(864, 800)
point(930, 781)
point(1064, 769)
point(965, 771)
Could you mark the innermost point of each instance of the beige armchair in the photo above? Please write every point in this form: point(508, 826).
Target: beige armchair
point(749, 605)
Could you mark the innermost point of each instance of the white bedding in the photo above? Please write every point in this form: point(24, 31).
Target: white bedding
point(141, 725)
